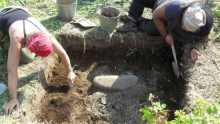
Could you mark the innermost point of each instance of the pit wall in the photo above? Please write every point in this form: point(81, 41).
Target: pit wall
point(81, 40)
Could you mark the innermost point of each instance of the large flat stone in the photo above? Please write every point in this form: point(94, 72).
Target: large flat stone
point(115, 82)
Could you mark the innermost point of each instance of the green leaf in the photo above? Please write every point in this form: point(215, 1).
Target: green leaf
point(145, 107)
point(196, 112)
point(150, 97)
point(214, 110)
point(163, 106)
point(177, 113)
point(196, 121)
point(217, 106)
point(144, 117)
point(209, 110)
point(140, 110)
point(149, 116)
point(217, 12)
point(204, 122)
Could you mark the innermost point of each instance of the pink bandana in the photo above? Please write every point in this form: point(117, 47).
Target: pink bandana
point(40, 45)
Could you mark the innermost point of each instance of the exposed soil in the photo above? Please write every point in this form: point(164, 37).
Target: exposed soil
point(55, 102)
point(81, 104)
point(95, 52)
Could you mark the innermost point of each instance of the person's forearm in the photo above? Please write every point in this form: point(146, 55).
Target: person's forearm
point(62, 54)
point(200, 45)
point(12, 84)
point(66, 61)
point(160, 27)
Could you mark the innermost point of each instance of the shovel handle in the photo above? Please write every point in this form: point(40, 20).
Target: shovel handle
point(174, 52)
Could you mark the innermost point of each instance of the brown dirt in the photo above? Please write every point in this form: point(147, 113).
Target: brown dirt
point(154, 72)
point(108, 14)
point(52, 102)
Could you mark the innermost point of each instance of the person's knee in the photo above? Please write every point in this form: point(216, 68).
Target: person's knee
point(26, 56)
point(26, 61)
point(146, 25)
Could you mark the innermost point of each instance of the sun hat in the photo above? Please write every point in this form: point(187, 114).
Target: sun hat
point(40, 44)
point(194, 18)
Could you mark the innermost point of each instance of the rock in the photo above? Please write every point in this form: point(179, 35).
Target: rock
point(95, 97)
point(115, 82)
point(117, 106)
point(104, 100)
point(102, 109)
point(88, 109)
point(123, 16)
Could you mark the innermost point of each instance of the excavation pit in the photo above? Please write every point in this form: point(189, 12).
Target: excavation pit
point(98, 53)
point(84, 103)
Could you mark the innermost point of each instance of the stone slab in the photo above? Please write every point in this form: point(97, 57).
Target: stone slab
point(115, 82)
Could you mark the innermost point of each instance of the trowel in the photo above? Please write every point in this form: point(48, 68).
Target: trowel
point(71, 86)
point(175, 63)
point(85, 23)
point(70, 83)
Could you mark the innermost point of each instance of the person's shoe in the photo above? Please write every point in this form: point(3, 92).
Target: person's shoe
point(129, 25)
point(124, 17)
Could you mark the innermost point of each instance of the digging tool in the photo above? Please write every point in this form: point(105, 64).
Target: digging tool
point(71, 86)
point(176, 69)
point(175, 63)
point(70, 83)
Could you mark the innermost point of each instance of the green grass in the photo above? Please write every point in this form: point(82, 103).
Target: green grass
point(47, 14)
point(216, 10)
point(90, 8)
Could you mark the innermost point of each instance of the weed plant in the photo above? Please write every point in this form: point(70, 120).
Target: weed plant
point(201, 113)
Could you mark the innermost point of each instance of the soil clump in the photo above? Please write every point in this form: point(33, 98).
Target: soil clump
point(108, 14)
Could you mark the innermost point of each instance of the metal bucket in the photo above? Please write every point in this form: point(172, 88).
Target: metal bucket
point(108, 23)
point(66, 9)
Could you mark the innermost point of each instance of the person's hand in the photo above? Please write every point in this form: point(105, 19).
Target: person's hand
point(71, 77)
point(194, 55)
point(168, 39)
point(10, 105)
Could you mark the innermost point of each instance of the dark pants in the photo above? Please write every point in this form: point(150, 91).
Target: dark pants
point(136, 10)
